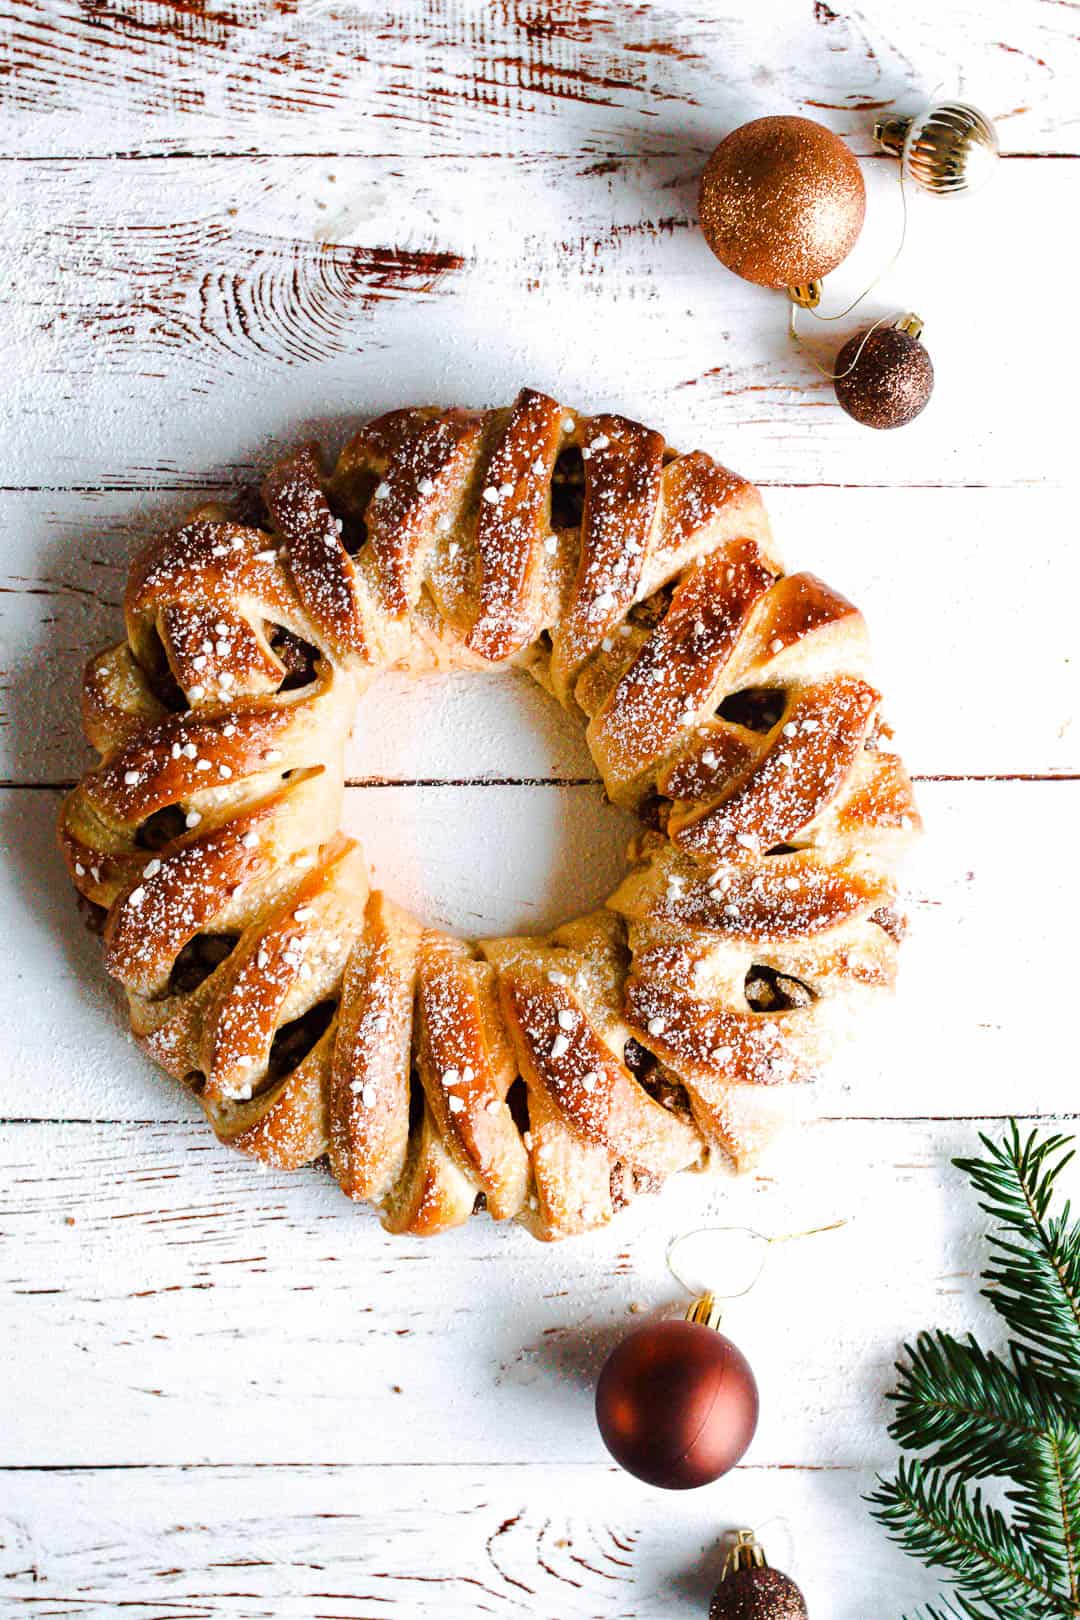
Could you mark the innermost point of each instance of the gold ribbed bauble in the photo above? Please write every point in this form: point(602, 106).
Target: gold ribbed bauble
point(782, 201)
point(949, 147)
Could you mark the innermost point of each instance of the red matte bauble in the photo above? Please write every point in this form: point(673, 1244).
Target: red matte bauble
point(782, 201)
point(677, 1404)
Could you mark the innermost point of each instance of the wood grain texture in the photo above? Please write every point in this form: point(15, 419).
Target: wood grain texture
point(458, 75)
point(968, 574)
point(965, 1034)
point(351, 1543)
point(231, 226)
point(197, 1311)
point(184, 321)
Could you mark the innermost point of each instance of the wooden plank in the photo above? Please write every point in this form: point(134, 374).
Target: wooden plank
point(181, 1308)
point(582, 1543)
point(992, 689)
point(171, 323)
point(968, 1031)
point(254, 76)
point(529, 859)
point(275, 1409)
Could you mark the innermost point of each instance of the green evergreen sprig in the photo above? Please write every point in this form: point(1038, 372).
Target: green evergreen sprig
point(969, 1415)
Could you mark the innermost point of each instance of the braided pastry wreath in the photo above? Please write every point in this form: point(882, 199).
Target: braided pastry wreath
point(548, 1079)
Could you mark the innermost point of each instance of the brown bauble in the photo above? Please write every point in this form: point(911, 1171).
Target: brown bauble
point(782, 201)
point(890, 382)
point(757, 1594)
point(677, 1404)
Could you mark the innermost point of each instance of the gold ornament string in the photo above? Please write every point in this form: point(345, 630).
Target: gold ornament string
point(793, 332)
point(761, 1237)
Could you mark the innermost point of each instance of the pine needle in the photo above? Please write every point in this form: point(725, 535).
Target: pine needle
point(966, 1415)
point(1034, 1280)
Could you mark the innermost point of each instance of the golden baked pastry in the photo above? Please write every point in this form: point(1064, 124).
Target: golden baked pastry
point(724, 701)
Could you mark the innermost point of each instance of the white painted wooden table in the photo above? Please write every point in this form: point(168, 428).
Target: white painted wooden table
point(226, 227)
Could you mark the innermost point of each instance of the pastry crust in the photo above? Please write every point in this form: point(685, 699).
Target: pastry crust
point(726, 702)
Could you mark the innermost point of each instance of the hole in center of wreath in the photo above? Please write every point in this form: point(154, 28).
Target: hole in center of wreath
point(477, 804)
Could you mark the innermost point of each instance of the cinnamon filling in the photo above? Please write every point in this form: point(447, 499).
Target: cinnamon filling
point(298, 656)
point(160, 678)
point(568, 490)
point(161, 828)
point(349, 503)
point(648, 614)
point(349, 497)
point(353, 533)
point(294, 1041)
point(517, 1100)
point(766, 990)
point(638, 1060)
point(755, 708)
point(199, 958)
point(248, 509)
point(663, 1088)
point(654, 811)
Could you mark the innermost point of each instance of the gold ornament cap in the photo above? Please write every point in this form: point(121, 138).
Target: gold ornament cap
point(706, 1311)
point(807, 295)
point(747, 1553)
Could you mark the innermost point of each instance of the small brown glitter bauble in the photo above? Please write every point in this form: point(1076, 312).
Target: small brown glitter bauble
point(677, 1404)
point(782, 201)
point(757, 1594)
point(891, 381)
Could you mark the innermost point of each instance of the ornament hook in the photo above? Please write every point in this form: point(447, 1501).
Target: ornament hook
point(747, 1553)
point(811, 304)
point(911, 323)
point(891, 133)
point(706, 1311)
point(705, 1301)
point(807, 294)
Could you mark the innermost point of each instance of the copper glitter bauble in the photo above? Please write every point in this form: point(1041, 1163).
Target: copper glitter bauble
point(892, 379)
point(750, 1590)
point(757, 1594)
point(782, 201)
point(677, 1404)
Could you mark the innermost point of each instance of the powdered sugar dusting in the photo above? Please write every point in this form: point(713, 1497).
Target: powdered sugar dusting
point(727, 702)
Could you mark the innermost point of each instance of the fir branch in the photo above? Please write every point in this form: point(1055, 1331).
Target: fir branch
point(956, 1607)
point(976, 1415)
point(935, 1519)
point(969, 1409)
point(1034, 1281)
point(1047, 1501)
